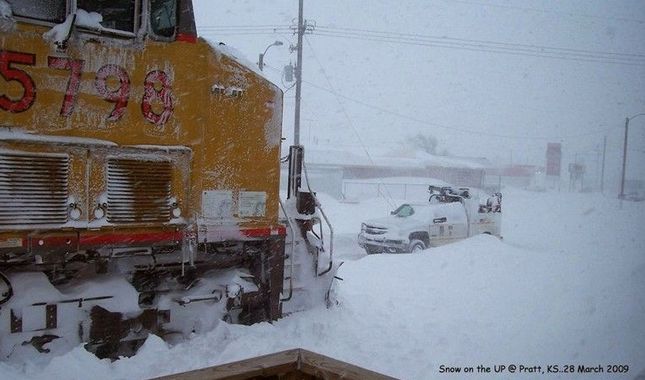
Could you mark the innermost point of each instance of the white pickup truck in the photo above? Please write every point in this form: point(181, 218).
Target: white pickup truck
point(448, 216)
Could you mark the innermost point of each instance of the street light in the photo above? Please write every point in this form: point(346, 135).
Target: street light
point(622, 181)
point(261, 59)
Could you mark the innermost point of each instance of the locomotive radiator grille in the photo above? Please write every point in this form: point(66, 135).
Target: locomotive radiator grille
point(33, 189)
point(139, 191)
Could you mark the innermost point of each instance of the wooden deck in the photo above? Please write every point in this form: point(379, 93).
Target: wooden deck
point(286, 365)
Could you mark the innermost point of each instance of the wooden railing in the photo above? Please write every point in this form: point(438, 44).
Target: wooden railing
point(285, 365)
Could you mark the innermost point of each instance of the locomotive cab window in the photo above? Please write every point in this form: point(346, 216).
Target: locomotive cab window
point(118, 15)
point(163, 17)
point(41, 10)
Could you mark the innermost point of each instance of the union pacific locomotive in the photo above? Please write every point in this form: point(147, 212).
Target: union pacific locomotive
point(139, 179)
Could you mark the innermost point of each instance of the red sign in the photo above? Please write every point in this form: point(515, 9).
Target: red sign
point(553, 159)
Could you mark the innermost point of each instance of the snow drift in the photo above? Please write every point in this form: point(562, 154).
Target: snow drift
point(565, 286)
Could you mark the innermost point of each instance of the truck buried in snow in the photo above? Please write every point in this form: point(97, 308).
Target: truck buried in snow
point(449, 215)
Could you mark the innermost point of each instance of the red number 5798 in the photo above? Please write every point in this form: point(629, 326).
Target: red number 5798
point(118, 96)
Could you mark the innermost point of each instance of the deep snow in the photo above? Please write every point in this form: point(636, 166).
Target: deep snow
point(565, 286)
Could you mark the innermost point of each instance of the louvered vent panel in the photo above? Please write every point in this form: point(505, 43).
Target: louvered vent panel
point(33, 189)
point(139, 191)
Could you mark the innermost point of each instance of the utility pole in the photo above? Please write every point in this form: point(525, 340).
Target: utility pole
point(622, 178)
point(301, 32)
point(602, 170)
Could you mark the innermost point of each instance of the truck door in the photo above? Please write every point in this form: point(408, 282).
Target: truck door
point(455, 224)
point(458, 227)
point(437, 231)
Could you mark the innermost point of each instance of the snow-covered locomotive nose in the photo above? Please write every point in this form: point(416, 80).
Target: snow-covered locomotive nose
point(139, 181)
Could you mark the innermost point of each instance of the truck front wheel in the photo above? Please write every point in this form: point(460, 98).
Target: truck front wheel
point(416, 246)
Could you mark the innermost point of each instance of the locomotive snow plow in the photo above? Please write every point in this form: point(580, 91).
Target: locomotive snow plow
point(139, 180)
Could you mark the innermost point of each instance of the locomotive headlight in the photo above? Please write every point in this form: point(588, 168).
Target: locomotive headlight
point(74, 211)
point(176, 210)
point(99, 212)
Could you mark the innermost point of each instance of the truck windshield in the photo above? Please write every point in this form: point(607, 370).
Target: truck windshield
point(403, 211)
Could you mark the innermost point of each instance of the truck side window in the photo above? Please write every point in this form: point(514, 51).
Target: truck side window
point(42, 10)
point(163, 17)
point(117, 14)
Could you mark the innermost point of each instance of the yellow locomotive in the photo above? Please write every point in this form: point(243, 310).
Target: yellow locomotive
point(139, 178)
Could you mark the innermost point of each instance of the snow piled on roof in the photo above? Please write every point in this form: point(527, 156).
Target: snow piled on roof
point(426, 181)
point(334, 157)
point(439, 160)
point(411, 159)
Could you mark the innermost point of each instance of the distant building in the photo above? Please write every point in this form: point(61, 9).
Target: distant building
point(521, 176)
point(336, 171)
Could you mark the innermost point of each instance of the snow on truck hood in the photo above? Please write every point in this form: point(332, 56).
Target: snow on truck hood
point(392, 221)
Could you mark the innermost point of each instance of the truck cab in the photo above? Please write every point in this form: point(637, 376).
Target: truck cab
point(448, 216)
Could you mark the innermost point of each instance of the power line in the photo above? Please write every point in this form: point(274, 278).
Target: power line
point(415, 36)
point(507, 52)
point(448, 128)
point(389, 198)
point(236, 30)
point(480, 47)
point(435, 124)
point(260, 26)
point(415, 39)
point(574, 14)
point(456, 129)
point(236, 33)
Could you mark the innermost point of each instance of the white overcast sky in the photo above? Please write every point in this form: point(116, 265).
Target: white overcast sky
point(370, 94)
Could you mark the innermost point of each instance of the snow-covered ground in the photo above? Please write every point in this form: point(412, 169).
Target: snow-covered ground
point(566, 286)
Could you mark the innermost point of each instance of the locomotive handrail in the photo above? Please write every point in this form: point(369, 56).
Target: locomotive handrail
point(331, 241)
point(331, 229)
point(293, 241)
